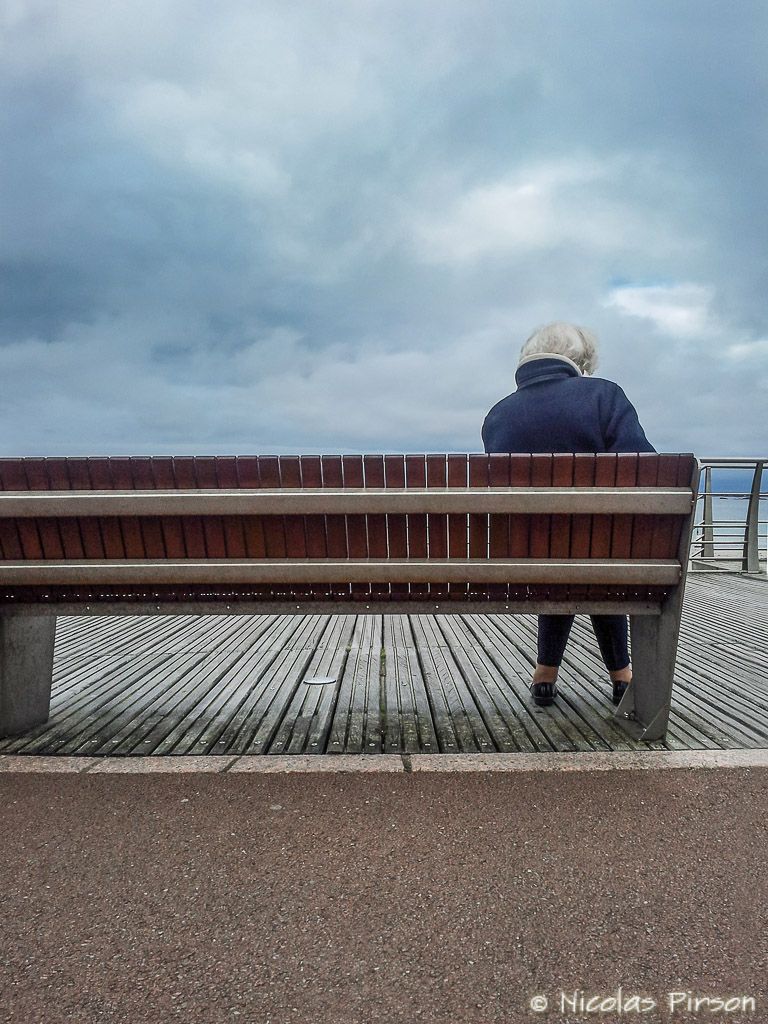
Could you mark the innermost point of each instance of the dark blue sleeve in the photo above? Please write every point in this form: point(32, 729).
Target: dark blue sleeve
point(621, 427)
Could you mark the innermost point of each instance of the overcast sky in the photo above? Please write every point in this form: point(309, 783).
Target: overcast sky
point(302, 226)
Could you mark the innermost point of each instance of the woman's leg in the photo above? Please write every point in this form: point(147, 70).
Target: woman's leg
point(554, 631)
point(611, 632)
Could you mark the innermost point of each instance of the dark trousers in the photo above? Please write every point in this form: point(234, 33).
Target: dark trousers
point(610, 630)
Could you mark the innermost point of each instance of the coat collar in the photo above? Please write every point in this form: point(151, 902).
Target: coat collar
point(539, 368)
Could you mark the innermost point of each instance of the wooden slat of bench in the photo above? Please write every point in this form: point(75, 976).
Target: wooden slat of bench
point(376, 524)
point(664, 536)
point(458, 526)
point(357, 535)
point(437, 522)
point(270, 531)
point(295, 535)
point(498, 525)
point(50, 538)
point(560, 526)
point(688, 471)
point(247, 472)
point(234, 535)
point(10, 545)
point(397, 525)
point(294, 525)
point(213, 526)
point(520, 525)
point(58, 474)
point(151, 532)
point(160, 533)
point(335, 525)
point(605, 476)
point(642, 526)
point(31, 544)
point(623, 525)
point(478, 523)
point(121, 478)
point(312, 476)
point(581, 525)
point(314, 526)
point(12, 476)
point(69, 526)
point(162, 466)
point(416, 476)
point(274, 526)
point(100, 475)
point(36, 475)
point(192, 529)
point(541, 476)
point(47, 526)
point(26, 534)
point(71, 538)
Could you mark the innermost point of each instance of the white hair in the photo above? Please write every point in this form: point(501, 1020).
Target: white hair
point(561, 339)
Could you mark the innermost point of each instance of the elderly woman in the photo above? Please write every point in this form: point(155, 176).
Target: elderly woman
point(560, 407)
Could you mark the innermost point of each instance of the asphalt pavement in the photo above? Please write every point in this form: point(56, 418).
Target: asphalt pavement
point(432, 897)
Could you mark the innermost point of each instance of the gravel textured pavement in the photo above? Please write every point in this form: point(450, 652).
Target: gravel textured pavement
point(432, 897)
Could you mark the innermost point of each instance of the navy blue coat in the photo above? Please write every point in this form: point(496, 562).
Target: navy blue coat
point(555, 409)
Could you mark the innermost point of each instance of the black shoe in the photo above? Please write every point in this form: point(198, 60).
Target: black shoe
point(618, 691)
point(543, 693)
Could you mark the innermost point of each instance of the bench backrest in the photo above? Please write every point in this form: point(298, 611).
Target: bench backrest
point(132, 522)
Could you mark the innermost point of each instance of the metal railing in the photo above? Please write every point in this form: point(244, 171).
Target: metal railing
point(733, 542)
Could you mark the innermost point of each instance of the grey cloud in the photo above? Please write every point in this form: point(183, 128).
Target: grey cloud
point(211, 219)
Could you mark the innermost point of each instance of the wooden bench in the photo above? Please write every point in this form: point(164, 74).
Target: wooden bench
point(601, 534)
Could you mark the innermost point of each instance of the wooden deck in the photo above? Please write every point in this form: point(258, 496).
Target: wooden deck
point(405, 684)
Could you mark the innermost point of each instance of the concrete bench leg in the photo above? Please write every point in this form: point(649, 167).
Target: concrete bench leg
point(26, 671)
point(644, 708)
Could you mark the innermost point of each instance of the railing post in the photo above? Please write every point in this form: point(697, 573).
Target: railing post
point(750, 561)
point(708, 533)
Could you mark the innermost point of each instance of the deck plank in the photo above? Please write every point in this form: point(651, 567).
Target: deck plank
point(191, 685)
point(410, 726)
